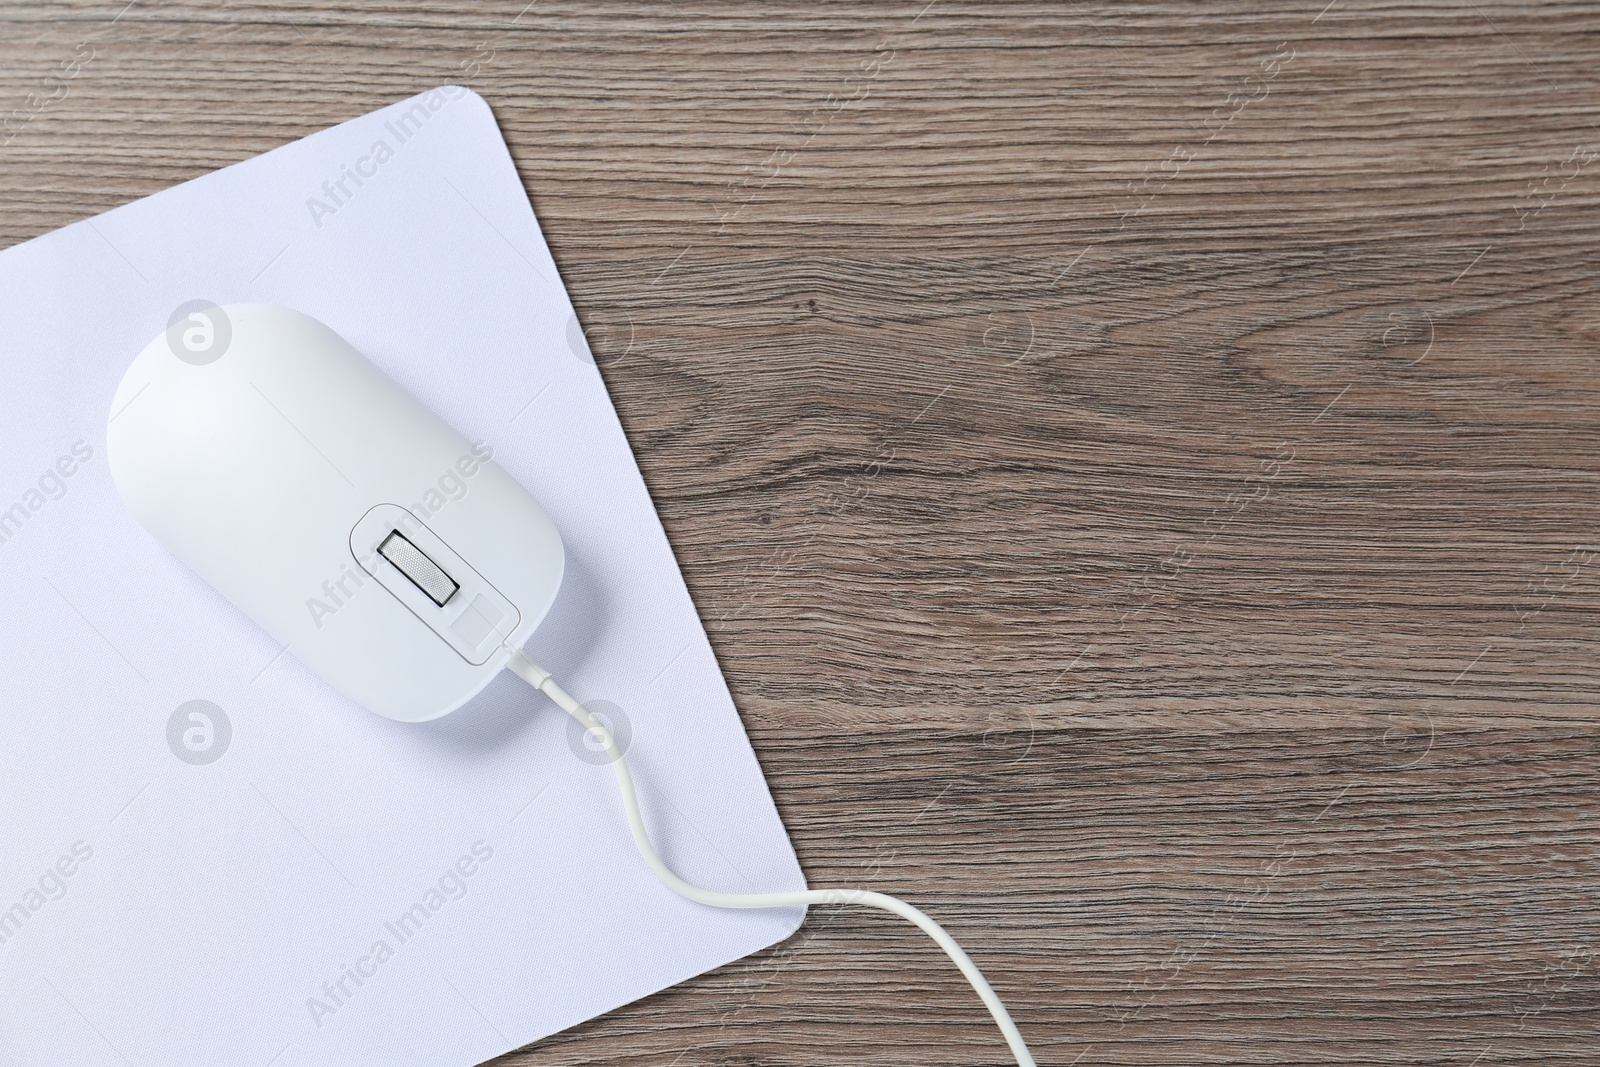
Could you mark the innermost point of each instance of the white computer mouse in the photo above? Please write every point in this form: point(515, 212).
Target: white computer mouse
point(388, 553)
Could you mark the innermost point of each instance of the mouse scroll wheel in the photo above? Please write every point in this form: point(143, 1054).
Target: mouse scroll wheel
point(423, 572)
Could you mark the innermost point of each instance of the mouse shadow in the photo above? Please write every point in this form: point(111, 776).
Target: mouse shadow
point(561, 644)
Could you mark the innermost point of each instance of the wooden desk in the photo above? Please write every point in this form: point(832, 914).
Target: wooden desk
point(1138, 464)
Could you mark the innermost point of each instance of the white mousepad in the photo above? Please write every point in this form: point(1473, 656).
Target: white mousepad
point(209, 857)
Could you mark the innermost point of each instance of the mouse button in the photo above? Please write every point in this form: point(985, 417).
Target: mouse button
point(478, 622)
point(452, 598)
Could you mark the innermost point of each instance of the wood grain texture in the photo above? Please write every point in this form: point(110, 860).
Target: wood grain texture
point(1138, 464)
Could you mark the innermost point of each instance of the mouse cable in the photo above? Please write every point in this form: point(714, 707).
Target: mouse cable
point(541, 680)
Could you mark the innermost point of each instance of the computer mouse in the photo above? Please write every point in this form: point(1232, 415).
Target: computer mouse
point(389, 554)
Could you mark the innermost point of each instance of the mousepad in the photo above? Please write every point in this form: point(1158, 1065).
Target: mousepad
point(207, 855)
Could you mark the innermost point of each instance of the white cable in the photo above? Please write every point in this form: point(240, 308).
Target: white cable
point(540, 679)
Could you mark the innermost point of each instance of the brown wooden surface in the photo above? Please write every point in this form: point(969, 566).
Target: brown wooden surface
point(1138, 464)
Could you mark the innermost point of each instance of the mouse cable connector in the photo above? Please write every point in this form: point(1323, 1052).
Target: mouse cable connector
point(541, 680)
